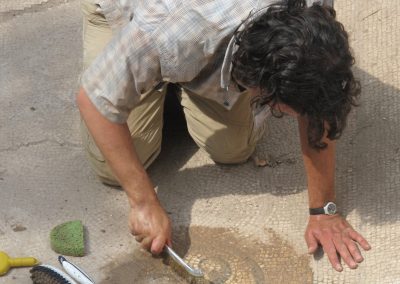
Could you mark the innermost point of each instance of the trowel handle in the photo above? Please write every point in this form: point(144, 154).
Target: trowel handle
point(22, 261)
point(181, 262)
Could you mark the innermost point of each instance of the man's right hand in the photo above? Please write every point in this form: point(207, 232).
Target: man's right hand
point(150, 225)
point(148, 221)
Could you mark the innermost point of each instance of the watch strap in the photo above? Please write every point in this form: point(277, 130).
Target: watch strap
point(329, 209)
point(317, 211)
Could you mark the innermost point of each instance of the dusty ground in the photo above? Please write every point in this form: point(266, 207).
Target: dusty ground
point(238, 223)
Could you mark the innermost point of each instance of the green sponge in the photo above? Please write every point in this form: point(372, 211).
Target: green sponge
point(68, 239)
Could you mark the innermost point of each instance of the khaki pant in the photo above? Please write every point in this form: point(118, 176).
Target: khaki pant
point(227, 136)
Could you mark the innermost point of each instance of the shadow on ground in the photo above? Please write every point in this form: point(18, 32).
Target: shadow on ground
point(367, 160)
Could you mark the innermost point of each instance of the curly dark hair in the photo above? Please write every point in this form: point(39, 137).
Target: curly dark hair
point(299, 56)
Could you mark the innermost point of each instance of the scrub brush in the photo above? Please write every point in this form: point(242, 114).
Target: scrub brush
point(47, 274)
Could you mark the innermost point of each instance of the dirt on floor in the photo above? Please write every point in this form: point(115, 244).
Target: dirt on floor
point(222, 254)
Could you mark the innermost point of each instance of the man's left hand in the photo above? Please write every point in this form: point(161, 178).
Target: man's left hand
point(337, 238)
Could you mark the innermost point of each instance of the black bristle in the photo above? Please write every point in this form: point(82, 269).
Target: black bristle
point(45, 275)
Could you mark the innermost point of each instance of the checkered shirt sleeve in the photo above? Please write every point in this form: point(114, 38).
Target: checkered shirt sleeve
point(128, 67)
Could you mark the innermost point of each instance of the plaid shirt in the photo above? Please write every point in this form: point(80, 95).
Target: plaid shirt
point(180, 41)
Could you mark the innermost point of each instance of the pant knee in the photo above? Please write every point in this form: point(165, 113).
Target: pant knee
point(233, 157)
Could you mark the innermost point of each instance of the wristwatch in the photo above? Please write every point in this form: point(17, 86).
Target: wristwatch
point(328, 209)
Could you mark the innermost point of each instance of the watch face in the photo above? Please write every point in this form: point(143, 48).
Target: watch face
point(331, 208)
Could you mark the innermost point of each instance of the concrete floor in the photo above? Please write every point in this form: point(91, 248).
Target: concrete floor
point(241, 224)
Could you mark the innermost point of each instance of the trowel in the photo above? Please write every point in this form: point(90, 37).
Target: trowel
point(192, 271)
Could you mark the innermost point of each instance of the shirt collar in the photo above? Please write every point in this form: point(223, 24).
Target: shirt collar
point(227, 63)
point(226, 68)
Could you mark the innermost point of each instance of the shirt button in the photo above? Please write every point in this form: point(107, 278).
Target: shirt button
point(226, 103)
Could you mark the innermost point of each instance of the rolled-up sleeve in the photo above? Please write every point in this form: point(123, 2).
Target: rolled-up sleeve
point(127, 68)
